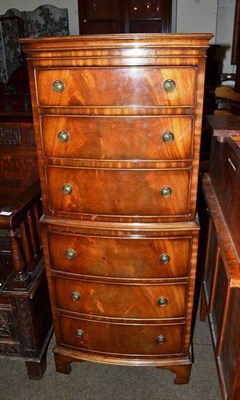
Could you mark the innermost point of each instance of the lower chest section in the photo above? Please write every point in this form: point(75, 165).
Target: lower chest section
point(122, 292)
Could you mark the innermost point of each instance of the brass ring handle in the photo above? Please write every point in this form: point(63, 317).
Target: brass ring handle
point(169, 85)
point(67, 188)
point(75, 296)
point(166, 191)
point(168, 137)
point(58, 86)
point(79, 333)
point(161, 339)
point(70, 254)
point(164, 258)
point(63, 136)
point(162, 302)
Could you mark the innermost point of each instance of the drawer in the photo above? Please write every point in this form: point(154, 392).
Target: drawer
point(121, 300)
point(119, 192)
point(114, 338)
point(118, 138)
point(116, 87)
point(120, 257)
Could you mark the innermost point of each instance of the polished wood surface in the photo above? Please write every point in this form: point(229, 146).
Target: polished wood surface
point(102, 193)
point(121, 299)
point(118, 138)
point(119, 230)
point(106, 256)
point(117, 87)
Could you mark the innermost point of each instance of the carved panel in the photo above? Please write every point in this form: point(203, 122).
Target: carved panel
point(4, 325)
point(10, 135)
point(25, 325)
point(9, 349)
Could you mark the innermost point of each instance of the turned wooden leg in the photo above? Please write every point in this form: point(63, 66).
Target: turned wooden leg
point(62, 364)
point(36, 369)
point(182, 373)
point(21, 277)
point(203, 307)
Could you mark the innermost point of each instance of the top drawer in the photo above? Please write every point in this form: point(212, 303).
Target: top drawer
point(117, 87)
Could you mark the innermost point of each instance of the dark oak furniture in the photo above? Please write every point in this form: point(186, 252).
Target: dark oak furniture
point(221, 283)
point(25, 314)
point(124, 16)
point(118, 125)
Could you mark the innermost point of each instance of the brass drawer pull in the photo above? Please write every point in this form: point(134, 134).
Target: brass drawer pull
point(164, 258)
point(161, 339)
point(70, 254)
point(168, 137)
point(79, 333)
point(162, 302)
point(67, 188)
point(63, 136)
point(166, 191)
point(58, 86)
point(75, 296)
point(169, 85)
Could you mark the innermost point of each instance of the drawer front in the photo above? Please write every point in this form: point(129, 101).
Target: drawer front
point(120, 257)
point(116, 87)
point(119, 192)
point(118, 138)
point(121, 300)
point(122, 339)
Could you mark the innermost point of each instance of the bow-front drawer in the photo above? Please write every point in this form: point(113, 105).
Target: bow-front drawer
point(121, 338)
point(119, 192)
point(118, 138)
point(116, 87)
point(138, 258)
point(121, 300)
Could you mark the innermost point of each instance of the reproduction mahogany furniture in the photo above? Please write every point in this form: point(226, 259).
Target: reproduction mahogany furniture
point(25, 312)
point(118, 124)
point(221, 283)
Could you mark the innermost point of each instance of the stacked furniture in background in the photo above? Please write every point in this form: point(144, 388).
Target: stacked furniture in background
point(118, 124)
point(221, 283)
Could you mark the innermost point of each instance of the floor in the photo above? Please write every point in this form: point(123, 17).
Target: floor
point(89, 381)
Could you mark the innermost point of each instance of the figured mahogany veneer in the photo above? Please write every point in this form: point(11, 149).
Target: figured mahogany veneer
point(102, 192)
point(120, 339)
point(118, 124)
point(132, 87)
point(106, 256)
point(121, 300)
point(118, 138)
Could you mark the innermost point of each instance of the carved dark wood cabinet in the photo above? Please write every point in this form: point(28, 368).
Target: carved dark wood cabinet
point(118, 124)
point(25, 314)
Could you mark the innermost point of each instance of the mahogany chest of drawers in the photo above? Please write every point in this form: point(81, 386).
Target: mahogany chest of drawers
point(118, 124)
